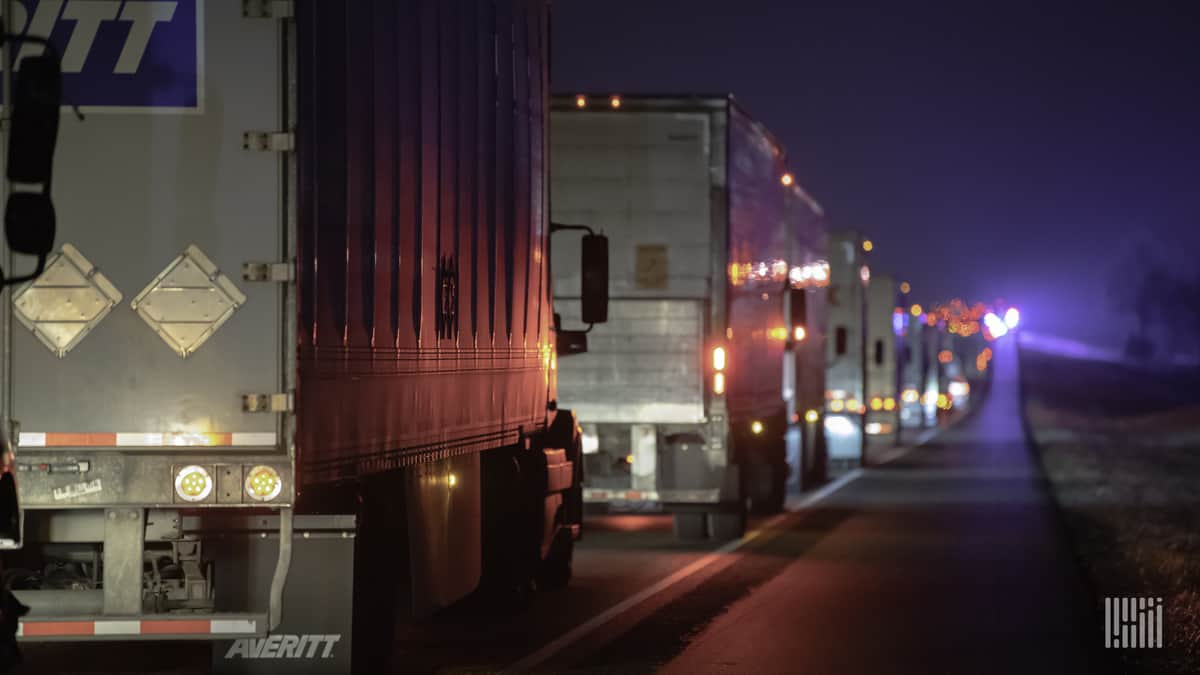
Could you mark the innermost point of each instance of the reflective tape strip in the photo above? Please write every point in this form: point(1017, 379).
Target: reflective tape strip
point(31, 439)
point(599, 495)
point(222, 626)
point(118, 627)
point(254, 438)
point(136, 627)
point(40, 439)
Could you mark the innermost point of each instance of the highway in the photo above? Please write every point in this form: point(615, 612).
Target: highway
point(948, 557)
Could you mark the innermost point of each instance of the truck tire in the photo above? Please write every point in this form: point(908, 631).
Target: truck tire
point(690, 526)
point(727, 525)
point(766, 487)
point(555, 571)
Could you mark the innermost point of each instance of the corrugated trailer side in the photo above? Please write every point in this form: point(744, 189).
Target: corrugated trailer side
point(424, 322)
point(426, 353)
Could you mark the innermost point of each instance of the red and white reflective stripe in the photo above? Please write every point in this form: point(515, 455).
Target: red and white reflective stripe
point(51, 439)
point(137, 627)
point(599, 495)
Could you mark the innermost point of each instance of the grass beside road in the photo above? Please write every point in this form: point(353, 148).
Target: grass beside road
point(1121, 448)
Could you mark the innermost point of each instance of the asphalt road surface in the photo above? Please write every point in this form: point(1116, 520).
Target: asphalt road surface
point(948, 558)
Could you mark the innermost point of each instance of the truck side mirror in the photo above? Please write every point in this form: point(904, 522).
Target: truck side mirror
point(798, 313)
point(594, 265)
point(37, 97)
point(29, 220)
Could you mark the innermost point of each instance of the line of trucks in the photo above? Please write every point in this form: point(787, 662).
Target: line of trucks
point(347, 319)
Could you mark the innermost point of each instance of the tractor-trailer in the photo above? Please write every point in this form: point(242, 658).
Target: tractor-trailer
point(712, 357)
point(289, 377)
point(846, 350)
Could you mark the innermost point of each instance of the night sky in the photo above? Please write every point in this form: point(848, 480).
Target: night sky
point(1009, 150)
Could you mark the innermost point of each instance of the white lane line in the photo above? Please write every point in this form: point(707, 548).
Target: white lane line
point(922, 438)
point(579, 632)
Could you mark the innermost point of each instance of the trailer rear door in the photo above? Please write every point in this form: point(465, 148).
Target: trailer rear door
point(137, 345)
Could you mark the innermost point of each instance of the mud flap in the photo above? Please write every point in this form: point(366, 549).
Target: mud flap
point(314, 636)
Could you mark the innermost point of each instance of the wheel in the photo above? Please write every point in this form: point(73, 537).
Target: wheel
point(555, 571)
point(766, 487)
point(690, 526)
point(726, 525)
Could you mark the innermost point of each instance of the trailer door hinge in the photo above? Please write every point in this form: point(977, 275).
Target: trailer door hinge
point(284, 272)
point(268, 403)
point(269, 141)
point(268, 9)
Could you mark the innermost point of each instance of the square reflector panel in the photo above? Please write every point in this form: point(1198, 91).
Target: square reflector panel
point(188, 301)
point(66, 302)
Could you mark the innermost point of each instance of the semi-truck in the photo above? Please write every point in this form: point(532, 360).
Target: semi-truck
point(289, 377)
point(711, 360)
point(884, 325)
point(846, 350)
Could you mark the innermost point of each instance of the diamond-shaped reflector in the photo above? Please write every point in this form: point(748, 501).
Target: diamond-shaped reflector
point(188, 301)
point(66, 302)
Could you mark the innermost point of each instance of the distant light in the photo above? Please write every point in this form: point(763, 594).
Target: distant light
point(811, 416)
point(629, 459)
point(452, 480)
point(799, 334)
point(581, 101)
point(778, 333)
point(835, 393)
point(837, 405)
point(943, 401)
point(719, 384)
point(868, 245)
point(910, 396)
point(864, 273)
point(945, 356)
point(905, 287)
point(756, 427)
point(876, 404)
point(839, 426)
point(916, 310)
point(787, 179)
point(615, 102)
point(958, 388)
point(889, 404)
point(1012, 317)
point(852, 405)
point(995, 325)
point(590, 443)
